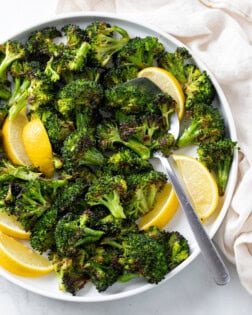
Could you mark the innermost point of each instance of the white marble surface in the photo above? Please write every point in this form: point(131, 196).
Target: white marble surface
point(191, 292)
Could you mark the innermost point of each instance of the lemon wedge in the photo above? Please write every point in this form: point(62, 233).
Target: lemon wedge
point(20, 259)
point(38, 147)
point(12, 139)
point(200, 185)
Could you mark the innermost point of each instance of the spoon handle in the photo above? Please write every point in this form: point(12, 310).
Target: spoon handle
point(212, 257)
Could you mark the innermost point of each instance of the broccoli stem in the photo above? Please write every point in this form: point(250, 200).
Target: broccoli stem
point(222, 174)
point(112, 202)
point(138, 148)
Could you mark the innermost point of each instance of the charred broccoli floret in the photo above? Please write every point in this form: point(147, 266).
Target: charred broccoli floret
point(140, 52)
point(12, 50)
point(104, 41)
point(34, 199)
point(126, 162)
point(78, 94)
point(116, 76)
point(109, 136)
point(74, 34)
point(175, 63)
point(72, 232)
point(69, 271)
point(129, 99)
point(206, 126)
point(218, 157)
point(41, 46)
point(142, 193)
point(108, 191)
point(198, 87)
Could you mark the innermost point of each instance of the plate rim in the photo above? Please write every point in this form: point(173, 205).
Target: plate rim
point(233, 134)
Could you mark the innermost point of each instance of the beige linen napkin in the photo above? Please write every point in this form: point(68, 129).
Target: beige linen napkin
point(219, 32)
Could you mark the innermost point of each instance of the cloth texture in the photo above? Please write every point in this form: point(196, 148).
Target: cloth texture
point(218, 32)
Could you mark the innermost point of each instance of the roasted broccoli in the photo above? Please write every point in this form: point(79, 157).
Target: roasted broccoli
point(42, 233)
point(69, 271)
point(74, 34)
point(72, 232)
point(34, 199)
point(108, 191)
point(109, 136)
point(142, 192)
point(126, 162)
point(206, 126)
point(79, 149)
point(116, 76)
point(58, 128)
point(103, 268)
point(218, 157)
point(12, 50)
point(140, 52)
point(198, 87)
point(129, 99)
point(105, 41)
point(41, 46)
point(175, 63)
point(77, 95)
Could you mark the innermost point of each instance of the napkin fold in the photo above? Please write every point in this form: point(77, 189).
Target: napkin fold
point(219, 32)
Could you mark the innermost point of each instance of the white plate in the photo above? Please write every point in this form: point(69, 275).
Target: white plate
point(48, 285)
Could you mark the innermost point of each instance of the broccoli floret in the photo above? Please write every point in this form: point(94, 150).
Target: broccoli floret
point(140, 52)
point(175, 63)
point(142, 192)
point(72, 197)
point(79, 94)
point(32, 87)
point(102, 268)
point(126, 162)
point(34, 199)
point(218, 157)
point(108, 191)
point(69, 271)
point(143, 129)
point(206, 126)
point(108, 134)
point(40, 44)
point(72, 231)
point(74, 34)
point(42, 233)
point(104, 41)
point(129, 99)
point(79, 149)
point(58, 128)
point(116, 76)
point(76, 58)
point(166, 105)
point(177, 249)
point(144, 257)
point(198, 87)
point(12, 51)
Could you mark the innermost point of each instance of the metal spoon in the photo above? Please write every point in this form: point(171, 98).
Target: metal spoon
point(212, 257)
